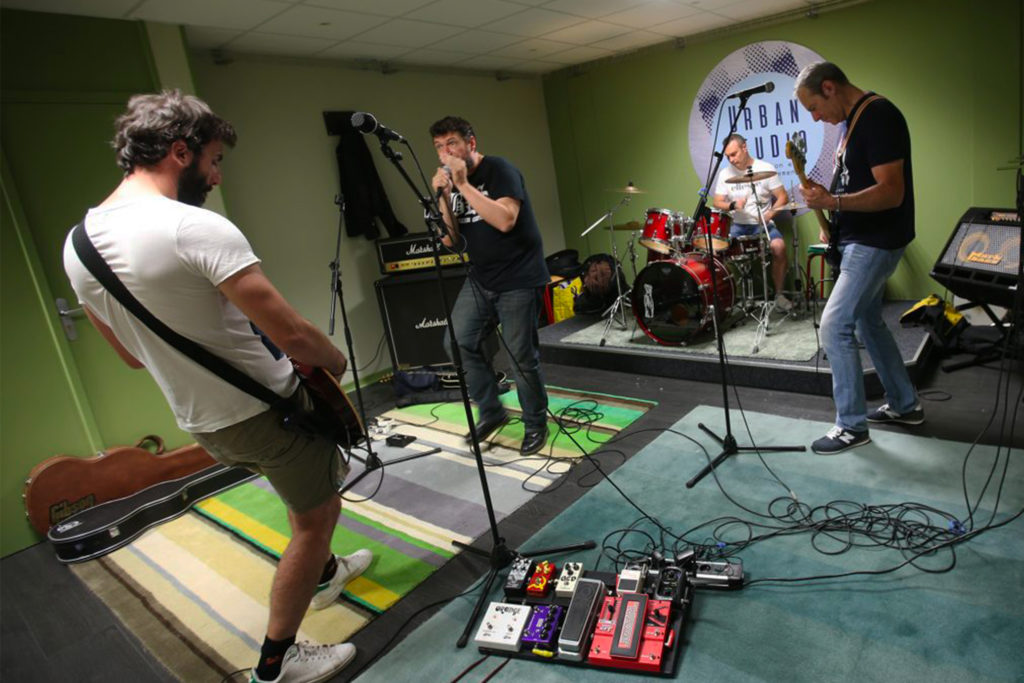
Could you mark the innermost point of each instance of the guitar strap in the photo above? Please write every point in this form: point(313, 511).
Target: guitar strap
point(99, 268)
point(841, 149)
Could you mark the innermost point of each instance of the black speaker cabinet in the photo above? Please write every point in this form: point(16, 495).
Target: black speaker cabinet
point(414, 317)
point(982, 256)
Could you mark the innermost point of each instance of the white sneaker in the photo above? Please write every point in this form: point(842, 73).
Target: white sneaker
point(783, 303)
point(349, 567)
point(308, 663)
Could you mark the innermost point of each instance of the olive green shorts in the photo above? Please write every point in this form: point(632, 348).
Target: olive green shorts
point(304, 470)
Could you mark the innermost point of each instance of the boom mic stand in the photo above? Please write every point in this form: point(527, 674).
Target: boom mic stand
point(371, 463)
point(500, 555)
point(728, 442)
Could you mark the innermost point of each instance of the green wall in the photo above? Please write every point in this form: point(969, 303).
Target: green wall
point(952, 66)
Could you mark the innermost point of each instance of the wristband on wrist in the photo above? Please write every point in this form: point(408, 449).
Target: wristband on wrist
point(839, 202)
point(732, 205)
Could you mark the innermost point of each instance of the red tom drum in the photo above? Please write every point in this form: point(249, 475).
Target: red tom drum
point(660, 228)
point(720, 224)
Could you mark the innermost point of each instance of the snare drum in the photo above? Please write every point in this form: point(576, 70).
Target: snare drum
point(660, 228)
point(748, 247)
point(720, 224)
point(672, 299)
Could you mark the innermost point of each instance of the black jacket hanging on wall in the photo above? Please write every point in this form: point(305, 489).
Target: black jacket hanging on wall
point(365, 199)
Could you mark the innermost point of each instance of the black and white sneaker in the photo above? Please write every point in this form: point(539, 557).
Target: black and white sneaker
point(886, 415)
point(838, 440)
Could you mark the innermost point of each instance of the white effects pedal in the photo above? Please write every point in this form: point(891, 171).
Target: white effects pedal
point(502, 626)
point(571, 572)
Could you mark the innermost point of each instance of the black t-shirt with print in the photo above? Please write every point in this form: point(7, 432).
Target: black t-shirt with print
point(501, 261)
point(880, 136)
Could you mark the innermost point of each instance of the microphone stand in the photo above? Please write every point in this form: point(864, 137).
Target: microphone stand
point(728, 442)
point(500, 555)
point(371, 462)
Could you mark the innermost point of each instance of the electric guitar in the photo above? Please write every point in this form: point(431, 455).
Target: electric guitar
point(333, 412)
point(796, 151)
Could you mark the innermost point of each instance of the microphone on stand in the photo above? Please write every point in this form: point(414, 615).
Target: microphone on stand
point(365, 122)
point(764, 87)
point(440, 190)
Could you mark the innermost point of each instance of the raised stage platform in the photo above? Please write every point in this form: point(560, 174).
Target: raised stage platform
point(787, 357)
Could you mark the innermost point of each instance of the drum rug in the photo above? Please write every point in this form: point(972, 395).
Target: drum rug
point(916, 623)
point(791, 338)
point(195, 590)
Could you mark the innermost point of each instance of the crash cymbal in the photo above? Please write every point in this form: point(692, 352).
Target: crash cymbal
point(751, 177)
point(630, 188)
point(792, 206)
point(632, 225)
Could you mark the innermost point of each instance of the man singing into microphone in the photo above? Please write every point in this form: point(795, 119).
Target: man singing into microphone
point(488, 212)
point(748, 207)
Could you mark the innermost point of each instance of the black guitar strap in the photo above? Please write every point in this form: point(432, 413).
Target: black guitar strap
point(92, 260)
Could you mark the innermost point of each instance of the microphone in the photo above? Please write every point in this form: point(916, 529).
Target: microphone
point(440, 190)
point(765, 87)
point(365, 122)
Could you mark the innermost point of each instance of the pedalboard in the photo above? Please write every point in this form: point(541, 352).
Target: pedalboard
point(502, 626)
point(566, 584)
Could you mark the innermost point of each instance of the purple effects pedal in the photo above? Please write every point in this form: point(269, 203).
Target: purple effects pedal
point(543, 626)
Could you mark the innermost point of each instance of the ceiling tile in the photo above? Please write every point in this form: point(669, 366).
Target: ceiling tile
point(587, 33)
point(351, 49)
point(651, 14)
point(710, 5)
point(762, 8)
point(466, 12)
point(688, 26)
point(319, 22)
point(409, 33)
point(578, 55)
point(389, 8)
point(202, 38)
point(535, 48)
point(533, 22)
point(273, 44)
point(112, 9)
point(631, 41)
point(477, 41)
point(592, 9)
point(240, 14)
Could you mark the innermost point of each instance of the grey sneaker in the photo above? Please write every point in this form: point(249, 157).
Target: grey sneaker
point(838, 440)
point(307, 663)
point(886, 415)
point(783, 303)
point(349, 567)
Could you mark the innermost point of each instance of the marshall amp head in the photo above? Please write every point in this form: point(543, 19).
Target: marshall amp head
point(411, 253)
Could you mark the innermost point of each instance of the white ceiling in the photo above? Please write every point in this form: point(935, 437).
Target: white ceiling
point(508, 36)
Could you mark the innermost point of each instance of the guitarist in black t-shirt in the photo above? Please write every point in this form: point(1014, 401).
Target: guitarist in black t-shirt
point(488, 212)
point(872, 205)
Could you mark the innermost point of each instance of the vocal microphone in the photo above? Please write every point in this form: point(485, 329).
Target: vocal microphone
point(365, 122)
point(440, 190)
point(765, 87)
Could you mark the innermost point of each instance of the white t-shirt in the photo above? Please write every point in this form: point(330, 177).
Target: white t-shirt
point(171, 257)
point(748, 214)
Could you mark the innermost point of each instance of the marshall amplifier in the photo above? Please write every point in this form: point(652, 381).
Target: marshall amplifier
point(981, 258)
point(414, 319)
point(411, 253)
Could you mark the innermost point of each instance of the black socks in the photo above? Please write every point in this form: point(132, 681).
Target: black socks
point(271, 657)
point(330, 569)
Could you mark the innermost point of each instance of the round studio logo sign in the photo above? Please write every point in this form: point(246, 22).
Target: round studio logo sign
point(769, 119)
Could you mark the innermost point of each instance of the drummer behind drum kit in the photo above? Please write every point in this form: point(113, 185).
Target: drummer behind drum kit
point(671, 296)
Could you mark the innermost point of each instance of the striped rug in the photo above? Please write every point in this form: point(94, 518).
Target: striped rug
point(195, 590)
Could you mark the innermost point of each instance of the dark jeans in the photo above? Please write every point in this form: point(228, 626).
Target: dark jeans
point(474, 315)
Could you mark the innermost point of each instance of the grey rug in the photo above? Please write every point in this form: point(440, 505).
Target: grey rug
point(786, 337)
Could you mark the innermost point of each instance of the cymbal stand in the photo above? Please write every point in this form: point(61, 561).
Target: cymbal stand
point(622, 299)
point(767, 306)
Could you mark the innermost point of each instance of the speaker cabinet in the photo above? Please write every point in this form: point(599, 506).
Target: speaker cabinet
point(982, 256)
point(414, 318)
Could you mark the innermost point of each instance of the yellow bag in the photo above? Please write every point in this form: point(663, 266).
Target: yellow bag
point(563, 295)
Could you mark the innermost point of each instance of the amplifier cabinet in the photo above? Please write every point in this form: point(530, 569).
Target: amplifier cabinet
point(414, 318)
point(412, 253)
point(981, 258)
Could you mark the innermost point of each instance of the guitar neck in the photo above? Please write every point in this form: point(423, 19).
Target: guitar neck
point(823, 223)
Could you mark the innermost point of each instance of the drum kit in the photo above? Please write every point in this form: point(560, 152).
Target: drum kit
point(671, 297)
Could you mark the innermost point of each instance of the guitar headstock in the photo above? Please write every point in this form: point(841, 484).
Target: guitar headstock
point(796, 151)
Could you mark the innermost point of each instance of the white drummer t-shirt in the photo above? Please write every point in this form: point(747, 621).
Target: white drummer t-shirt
point(733, 191)
point(172, 256)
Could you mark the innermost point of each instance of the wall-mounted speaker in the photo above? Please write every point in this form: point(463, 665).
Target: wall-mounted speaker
point(414, 317)
point(982, 256)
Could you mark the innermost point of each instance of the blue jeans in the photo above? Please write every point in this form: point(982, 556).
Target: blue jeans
point(744, 230)
point(476, 312)
point(856, 304)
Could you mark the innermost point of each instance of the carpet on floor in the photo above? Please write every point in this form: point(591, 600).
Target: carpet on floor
point(961, 625)
point(195, 590)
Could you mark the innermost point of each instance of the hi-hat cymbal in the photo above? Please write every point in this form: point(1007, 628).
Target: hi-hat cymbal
point(630, 188)
point(792, 206)
point(632, 225)
point(751, 177)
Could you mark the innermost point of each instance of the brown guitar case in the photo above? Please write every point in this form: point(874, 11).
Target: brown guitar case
point(64, 485)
